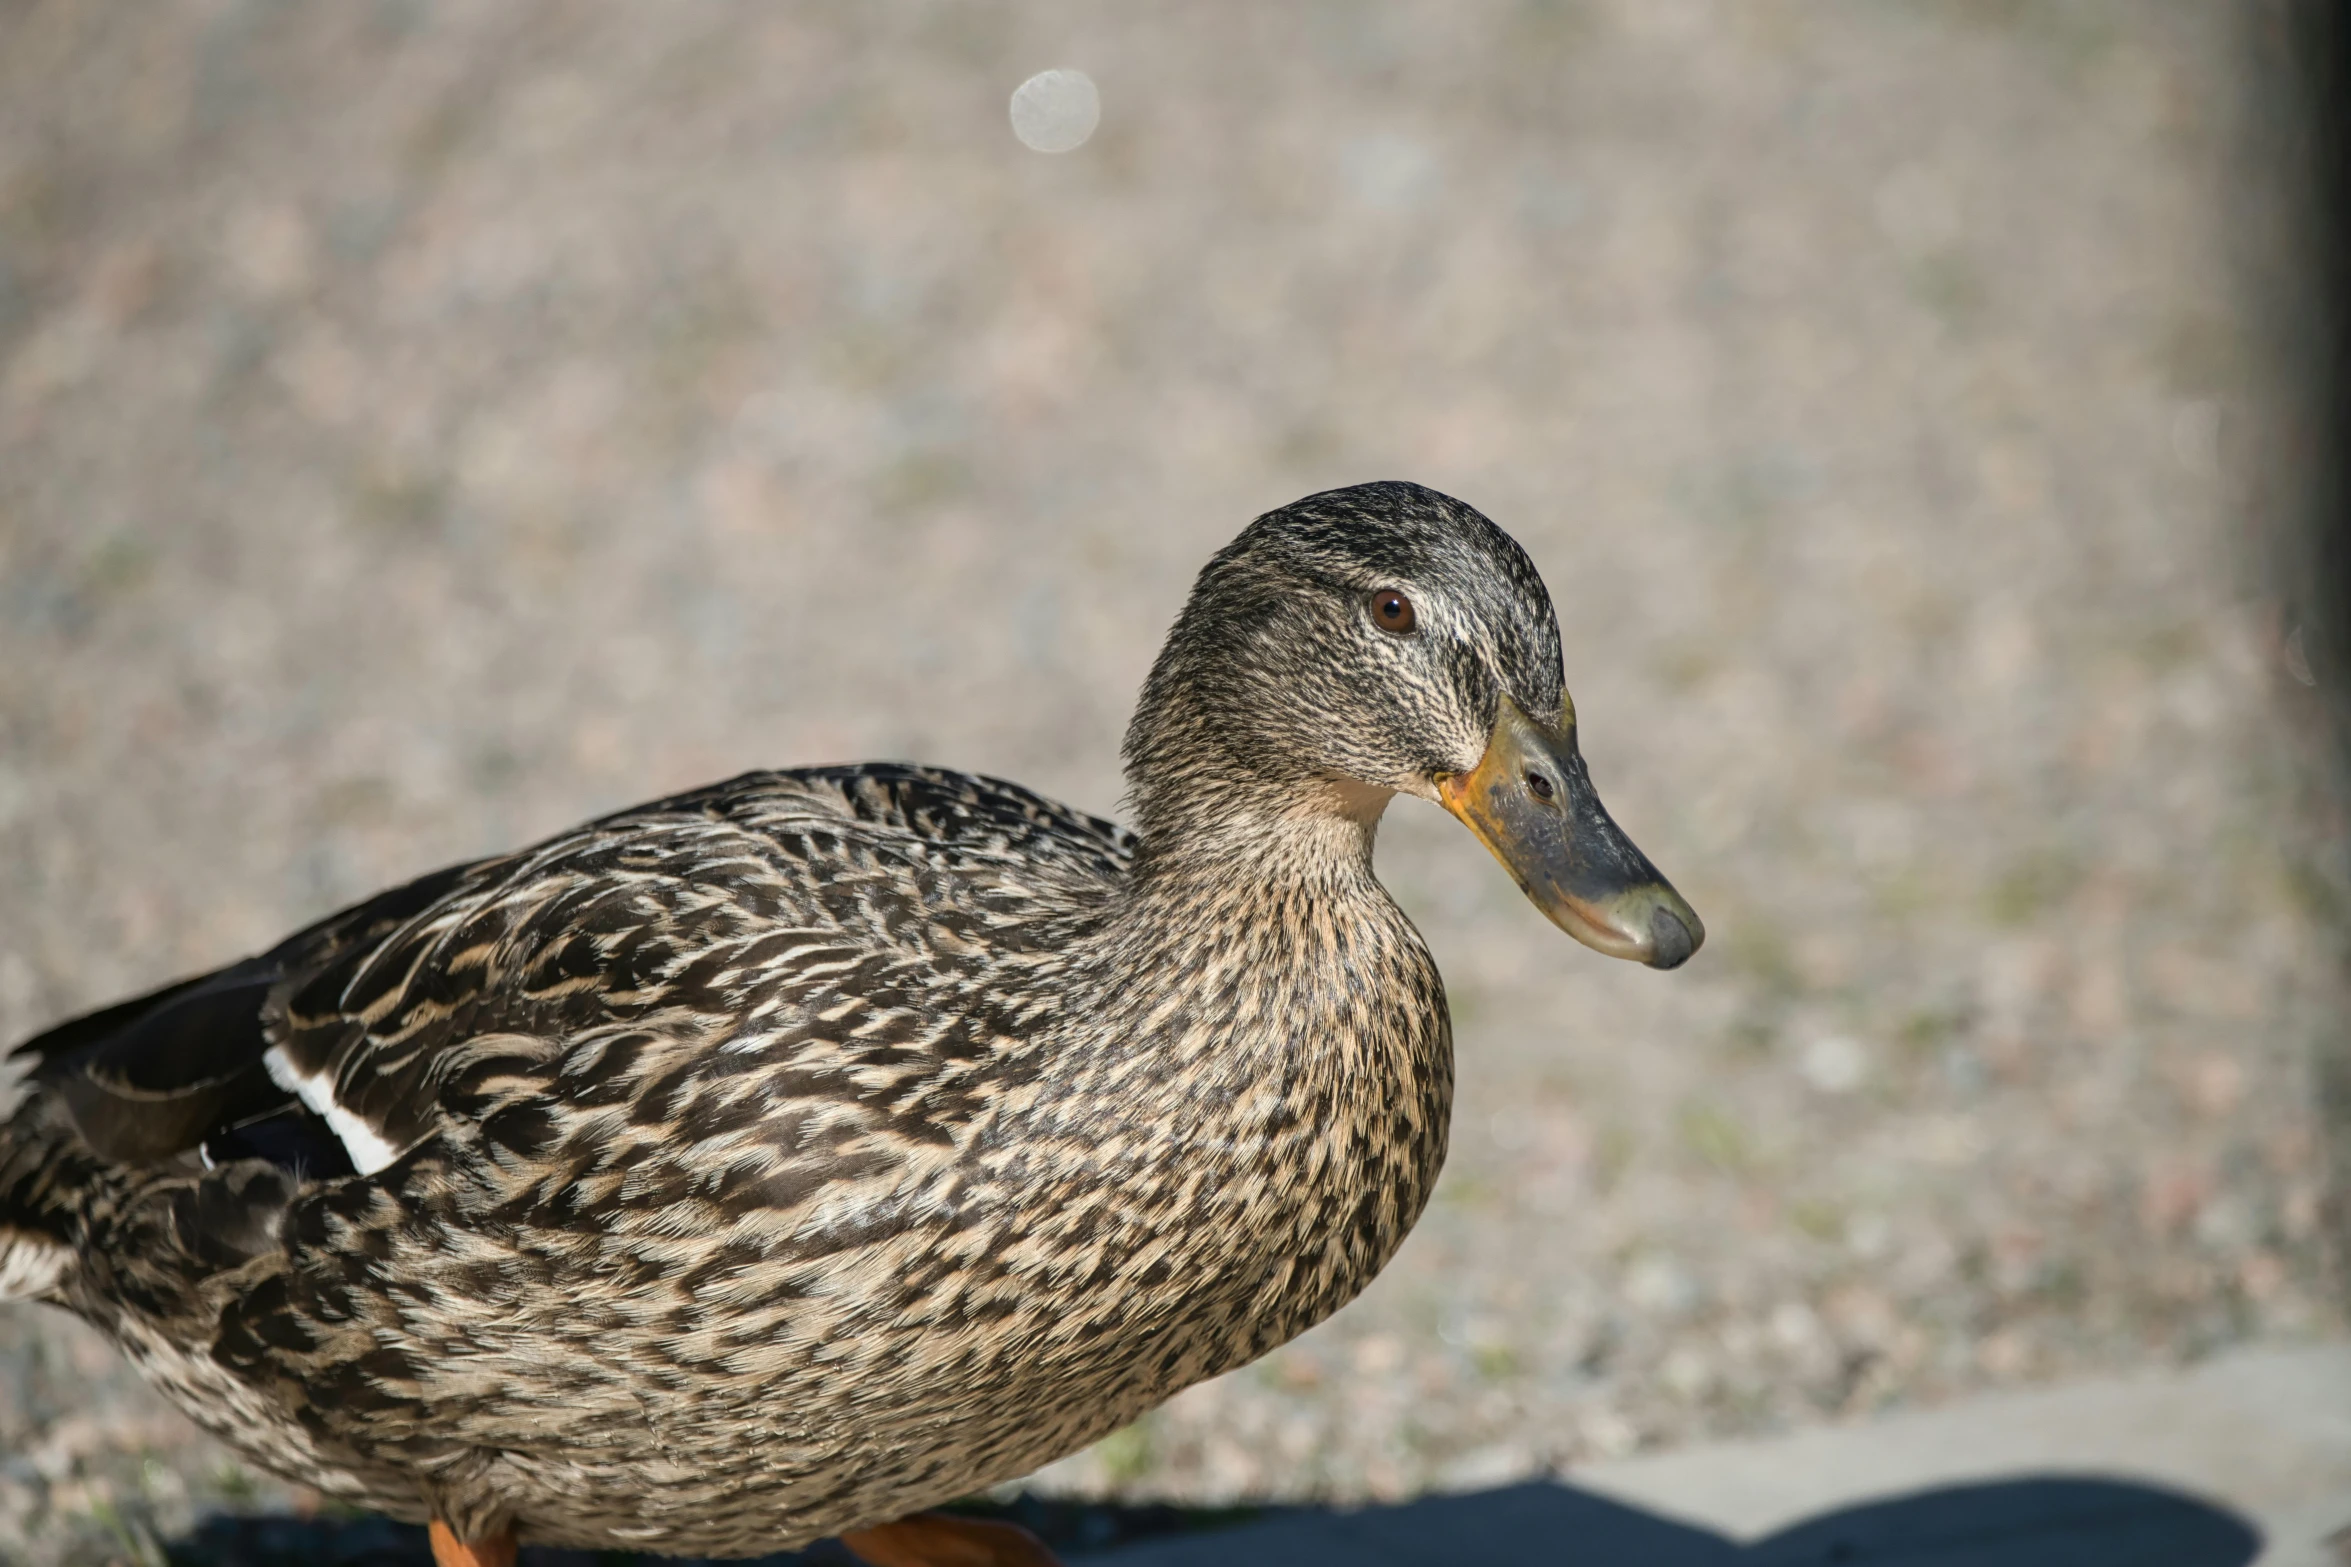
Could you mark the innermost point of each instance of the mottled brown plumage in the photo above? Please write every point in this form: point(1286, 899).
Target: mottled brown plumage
point(797, 1153)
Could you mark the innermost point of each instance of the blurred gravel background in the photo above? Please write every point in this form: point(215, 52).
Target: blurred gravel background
point(425, 425)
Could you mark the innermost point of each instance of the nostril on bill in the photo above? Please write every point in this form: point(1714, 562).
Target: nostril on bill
point(1670, 940)
point(1539, 786)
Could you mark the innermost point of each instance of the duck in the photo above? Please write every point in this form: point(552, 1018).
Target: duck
point(787, 1158)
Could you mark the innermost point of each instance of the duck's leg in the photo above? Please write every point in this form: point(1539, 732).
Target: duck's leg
point(943, 1540)
point(495, 1550)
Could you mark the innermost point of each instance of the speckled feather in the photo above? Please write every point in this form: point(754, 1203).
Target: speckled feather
point(806, 1150)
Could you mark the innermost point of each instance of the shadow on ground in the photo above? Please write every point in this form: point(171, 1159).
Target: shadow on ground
point(2012, 1523)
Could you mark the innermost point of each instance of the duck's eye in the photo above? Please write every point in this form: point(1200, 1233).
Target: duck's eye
point(1392, 611)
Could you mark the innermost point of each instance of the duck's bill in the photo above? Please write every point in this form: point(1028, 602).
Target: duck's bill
point(1532, 803)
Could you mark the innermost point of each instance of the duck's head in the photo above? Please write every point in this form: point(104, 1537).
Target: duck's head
point(1387, 639)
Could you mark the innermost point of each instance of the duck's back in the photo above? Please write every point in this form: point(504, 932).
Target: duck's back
point(571, 1143)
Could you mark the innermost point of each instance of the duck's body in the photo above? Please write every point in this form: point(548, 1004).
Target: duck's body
point(772, 1160)
point(725, 1135)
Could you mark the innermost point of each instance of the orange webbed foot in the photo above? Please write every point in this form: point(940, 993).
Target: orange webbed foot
point(495, 1550)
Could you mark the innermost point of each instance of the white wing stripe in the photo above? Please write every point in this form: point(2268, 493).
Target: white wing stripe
point(30, 1265)
point(367, 1148)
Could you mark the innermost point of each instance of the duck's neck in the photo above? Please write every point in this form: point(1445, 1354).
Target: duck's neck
point(1316, 836)
point(1268, 1025)
point(1254, 945)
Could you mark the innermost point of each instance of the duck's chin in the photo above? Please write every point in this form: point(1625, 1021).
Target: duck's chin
point(1357, 800)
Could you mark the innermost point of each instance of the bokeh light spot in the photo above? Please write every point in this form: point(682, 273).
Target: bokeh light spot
point(1055, 111)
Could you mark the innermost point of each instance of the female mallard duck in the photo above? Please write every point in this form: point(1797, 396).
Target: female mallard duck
point(784, 1158)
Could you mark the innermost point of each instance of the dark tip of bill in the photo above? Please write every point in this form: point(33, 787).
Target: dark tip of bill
point(1670, 939)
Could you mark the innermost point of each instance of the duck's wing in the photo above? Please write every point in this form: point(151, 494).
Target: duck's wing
point(162, 1076)
point(723, 922)
point(150, 1088)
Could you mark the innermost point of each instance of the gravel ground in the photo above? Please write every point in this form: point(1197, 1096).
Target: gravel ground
point(423, 425)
